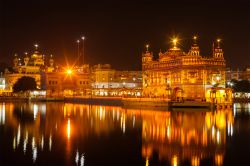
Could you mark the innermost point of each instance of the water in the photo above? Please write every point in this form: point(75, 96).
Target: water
point(78, 134)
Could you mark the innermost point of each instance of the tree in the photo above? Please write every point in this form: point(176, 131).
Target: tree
point(24, 84)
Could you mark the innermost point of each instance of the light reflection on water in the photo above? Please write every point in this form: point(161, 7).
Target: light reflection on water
point(72, 133)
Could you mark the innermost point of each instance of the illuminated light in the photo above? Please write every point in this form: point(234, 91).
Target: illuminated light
point(195, 161)
point(168, 131)
point(2, 114)
point(218, 40)
point(175, 41)
point(218, 159)
point(18, 134)
point(14, 143)
point(25, 143)
point(147, 46)
point(83, 38)
point(232, 130)
point(36, 46)
point(174, 160)
point(195, 38)
point(147, 162)
point(35, 109)
point(68, 129)
point(82, 160)
point(218, 136)
point(69, 71)
point(133, 121)
point(78, 41)
point(77, 157)
point(42, 142)
point(213, 131)
point(34, 150)
point(50, 142)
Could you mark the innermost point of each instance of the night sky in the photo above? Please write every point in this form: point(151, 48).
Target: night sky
point(117, 31)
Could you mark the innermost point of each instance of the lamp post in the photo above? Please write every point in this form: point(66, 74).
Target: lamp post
point(78, 50)
point(83, 38)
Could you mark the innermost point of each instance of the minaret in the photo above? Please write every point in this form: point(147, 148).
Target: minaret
point(26, 59)
point(51, 61)
point(15, 60)
point(218, 52)
point(195, 50)
point(146, 57)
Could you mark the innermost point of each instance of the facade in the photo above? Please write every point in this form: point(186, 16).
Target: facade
point(110, 82)
point(31, 66)
point(238, 74)
point(73, 82)
point(180, 75)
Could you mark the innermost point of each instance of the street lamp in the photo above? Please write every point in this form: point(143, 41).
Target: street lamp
point(78, 50)
point(83, 38)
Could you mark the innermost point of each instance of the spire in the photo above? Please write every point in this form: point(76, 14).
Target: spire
point(174, 41)
point(218, 42)
point(218, 52)
point(147, 46)
point(195, 50)
point(195, 39)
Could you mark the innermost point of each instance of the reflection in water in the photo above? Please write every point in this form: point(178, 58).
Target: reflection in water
point(187, 135)
point(174, 136)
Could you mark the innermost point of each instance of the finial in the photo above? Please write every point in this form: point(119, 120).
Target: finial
point(218, 42)
point(147, 46)
point(195, 39)
point(36, 46)
point(174, 40)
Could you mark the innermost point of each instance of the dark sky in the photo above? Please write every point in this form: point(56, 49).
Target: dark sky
point(117, 31)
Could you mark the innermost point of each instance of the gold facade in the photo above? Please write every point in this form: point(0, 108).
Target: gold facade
point(176, 74)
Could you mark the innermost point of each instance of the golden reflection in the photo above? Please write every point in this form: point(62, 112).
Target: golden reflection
point(147, 162)
point(68, 129)
point(218, 159)
point(173, 136)
point(195, 161)
point(174, 160)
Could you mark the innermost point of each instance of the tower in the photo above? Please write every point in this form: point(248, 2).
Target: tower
point(51, 61)
point(195, 50)
point(15, 60)
point(218, 52)
point(147, 56)
point(26, 59)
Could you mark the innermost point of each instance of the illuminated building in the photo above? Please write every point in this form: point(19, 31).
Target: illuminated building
point(238, 74)
point(180, 75)
point(31, 66)
point(69, 82)
point(109, 82)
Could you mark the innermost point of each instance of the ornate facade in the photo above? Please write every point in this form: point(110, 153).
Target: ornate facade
point(33, 66)
point(177, 74)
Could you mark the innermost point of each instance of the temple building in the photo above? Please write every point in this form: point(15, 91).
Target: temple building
point(33, 66)
point(180, 75)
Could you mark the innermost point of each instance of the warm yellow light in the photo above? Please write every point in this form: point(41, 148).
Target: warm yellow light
point(175, 40)
point(68, 129)
point(218, 40)
point(147, 46)
point(195, 37)
point(69, 71)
